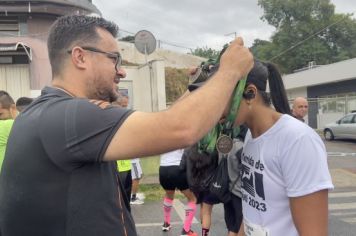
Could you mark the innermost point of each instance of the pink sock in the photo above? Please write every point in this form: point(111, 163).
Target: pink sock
point(190, 210)
point(167, 207)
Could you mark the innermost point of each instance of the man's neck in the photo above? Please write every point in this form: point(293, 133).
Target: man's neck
point(72, 90)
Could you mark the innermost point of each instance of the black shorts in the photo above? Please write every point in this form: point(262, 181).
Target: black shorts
point(207, 197)
point(233, 213)
point(173, 177)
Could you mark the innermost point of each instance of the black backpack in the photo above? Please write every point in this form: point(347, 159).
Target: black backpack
point(219, 185)
point(200, 168)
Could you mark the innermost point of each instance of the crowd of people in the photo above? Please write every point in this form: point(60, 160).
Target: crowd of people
point(69, 161)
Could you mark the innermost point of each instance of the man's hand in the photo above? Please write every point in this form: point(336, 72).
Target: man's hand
point(237, 59)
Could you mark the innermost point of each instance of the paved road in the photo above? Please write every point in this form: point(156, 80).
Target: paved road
point(342, 200)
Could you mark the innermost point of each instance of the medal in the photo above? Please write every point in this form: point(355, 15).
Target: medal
point(224, 144)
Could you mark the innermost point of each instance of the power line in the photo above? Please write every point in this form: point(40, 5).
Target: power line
point(175, 45)
point(128, 32)
point(310, 36)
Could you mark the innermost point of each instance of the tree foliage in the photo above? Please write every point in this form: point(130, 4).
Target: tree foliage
point(306, 30)
point(205, 52)
point(128, 38)
point(176, 83)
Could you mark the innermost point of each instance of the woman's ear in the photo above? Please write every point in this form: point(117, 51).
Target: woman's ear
point(250, 93)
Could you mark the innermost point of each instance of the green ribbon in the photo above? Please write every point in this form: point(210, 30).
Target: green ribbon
point(208, 142)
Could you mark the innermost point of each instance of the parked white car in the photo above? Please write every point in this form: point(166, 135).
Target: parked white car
point(343, 128)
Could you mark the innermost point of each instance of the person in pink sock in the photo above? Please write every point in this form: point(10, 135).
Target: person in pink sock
point(172, 177)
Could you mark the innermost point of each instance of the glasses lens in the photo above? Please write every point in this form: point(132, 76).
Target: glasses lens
point(118, 62)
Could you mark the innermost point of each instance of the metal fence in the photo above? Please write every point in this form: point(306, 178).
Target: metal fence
point(329, 109)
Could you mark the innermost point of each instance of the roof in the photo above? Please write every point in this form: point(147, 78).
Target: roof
point(11, 48)
point(339, 71)
point(84, 4)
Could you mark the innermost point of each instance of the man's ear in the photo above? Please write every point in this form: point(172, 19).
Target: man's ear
point(79, 58)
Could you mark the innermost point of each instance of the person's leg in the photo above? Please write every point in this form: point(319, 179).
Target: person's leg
point(167, 208)
point(166, 179)
point(126, 181)
point(123, 176)
point(233, 215)
point(206, 210)
point(190, 209)
point(134, 190)
point(241, 231)
point(136, 173)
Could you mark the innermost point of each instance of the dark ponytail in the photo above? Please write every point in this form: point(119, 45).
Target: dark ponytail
point(277, 90)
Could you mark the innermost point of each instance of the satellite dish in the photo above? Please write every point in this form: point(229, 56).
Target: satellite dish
point(145, 42)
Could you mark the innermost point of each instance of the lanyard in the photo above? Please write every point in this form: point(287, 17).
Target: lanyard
point(208, 142)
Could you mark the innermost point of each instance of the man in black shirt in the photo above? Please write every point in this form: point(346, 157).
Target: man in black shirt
point(59, 176)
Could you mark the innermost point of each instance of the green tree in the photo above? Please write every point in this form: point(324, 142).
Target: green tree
point(128, 38)
point(306, 30)
point(205, 52)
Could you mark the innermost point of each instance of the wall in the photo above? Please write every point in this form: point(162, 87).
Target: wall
point(170, 58)
point(341, 87)
point(148, 93)
point(40, 69)
point(38, 26)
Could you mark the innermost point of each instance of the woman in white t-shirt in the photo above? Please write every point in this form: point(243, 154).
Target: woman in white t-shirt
point(172, 177)
point(285, 176)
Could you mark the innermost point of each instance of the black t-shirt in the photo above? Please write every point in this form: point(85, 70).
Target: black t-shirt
point(53, 179)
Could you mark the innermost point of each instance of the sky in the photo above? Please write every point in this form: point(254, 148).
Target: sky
point(182, 25)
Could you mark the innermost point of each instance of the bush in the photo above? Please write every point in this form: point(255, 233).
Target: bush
point(176, 83)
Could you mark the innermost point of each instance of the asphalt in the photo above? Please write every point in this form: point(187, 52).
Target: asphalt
point(342, 210)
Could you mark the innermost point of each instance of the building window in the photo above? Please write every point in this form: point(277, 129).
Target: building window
point(9, 24)
point(340, 103)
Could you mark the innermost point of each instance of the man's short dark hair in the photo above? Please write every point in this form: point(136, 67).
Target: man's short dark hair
point(23, 102)
point(67, 31)
point(6, 100)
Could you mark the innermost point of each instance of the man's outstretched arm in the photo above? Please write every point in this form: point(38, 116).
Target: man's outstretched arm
point(189, 119)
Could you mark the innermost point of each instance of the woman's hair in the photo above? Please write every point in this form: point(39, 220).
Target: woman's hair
point(259, 75)
point(277, 90)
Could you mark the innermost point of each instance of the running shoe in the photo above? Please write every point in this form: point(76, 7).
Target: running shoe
point(166, 227)
point(189, 233)
point(136, 201)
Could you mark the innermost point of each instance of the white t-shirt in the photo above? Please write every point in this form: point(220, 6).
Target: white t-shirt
point(172, 158)
point(288, 160)
point(135, 160)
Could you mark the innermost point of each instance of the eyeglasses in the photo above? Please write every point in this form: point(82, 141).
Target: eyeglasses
point(115, 56)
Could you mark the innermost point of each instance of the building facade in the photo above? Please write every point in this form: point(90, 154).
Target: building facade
point(24, 27)
point(330, 90)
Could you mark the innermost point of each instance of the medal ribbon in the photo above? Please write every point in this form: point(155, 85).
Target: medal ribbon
point(208, 142)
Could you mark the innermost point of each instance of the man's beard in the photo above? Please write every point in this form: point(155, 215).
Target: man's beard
point(100, 92)
point(109, 96)
point(103, 94)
